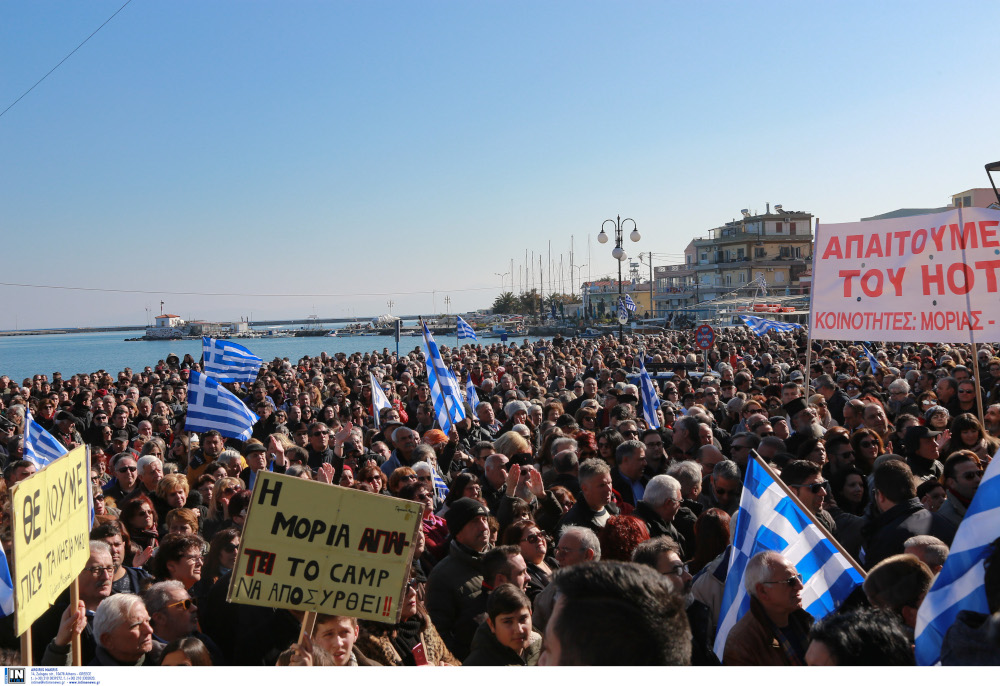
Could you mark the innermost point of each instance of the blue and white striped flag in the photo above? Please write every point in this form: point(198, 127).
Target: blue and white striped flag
point(210, 406)
point(40, 447)
point(629, 303)
point(650, 398)
point(6, 587)
point(960, 586)
point(378, 398)
point(622, 310)
point(440, 487)
point(768, 519)
point(228, 362)
point(470, 393)
point(761, 326)
point(465, 331)
point(444, 388)
point(872, 362)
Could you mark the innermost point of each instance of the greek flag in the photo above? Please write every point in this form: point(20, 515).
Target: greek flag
point(6, 587)
point(761, 326)
point(228, 362)
point(650, 398)
point(210, 406)
point(464, 330)
point(872, 362)
point(622, 310)
point(768, 519)
point(470, 393)
point(40, 447)
point(440, 487)
point(761, 284)
point(378, 397)
point(629, 303)
point(444, 388)
point(959, 585)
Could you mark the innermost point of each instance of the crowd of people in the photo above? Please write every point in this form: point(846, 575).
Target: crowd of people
point(559, 527)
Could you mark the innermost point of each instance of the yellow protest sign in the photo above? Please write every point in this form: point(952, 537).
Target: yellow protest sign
point(50, 528)
point(315, 547)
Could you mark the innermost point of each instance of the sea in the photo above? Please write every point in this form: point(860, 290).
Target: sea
point(21, 357)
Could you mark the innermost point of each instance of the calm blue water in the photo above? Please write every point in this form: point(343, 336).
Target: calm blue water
point(23, 356)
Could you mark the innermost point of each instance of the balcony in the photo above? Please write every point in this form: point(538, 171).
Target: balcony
point(744, 236)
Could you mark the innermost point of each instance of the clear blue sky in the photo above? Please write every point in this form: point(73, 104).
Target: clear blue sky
point(403, 147)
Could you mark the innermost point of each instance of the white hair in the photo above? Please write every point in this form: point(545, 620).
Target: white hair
point(422, 467)
point(759, 568)
point(114, 611)
point(660, 489)
point(158, 595)
point(588, 539)
point(688, 473)
point(147, 460)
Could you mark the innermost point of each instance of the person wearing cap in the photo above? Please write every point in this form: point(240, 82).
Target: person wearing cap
point(456, 583)
point(804, 424)
point(257, 459)
point(65, 431)
point(921, 452)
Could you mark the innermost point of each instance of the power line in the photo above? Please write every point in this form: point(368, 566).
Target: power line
point(243, 295)
point(127, 3)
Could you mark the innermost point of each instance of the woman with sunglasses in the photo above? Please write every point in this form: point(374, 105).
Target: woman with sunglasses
point(372, 476)
point(396, 644)
point(607, 443)
point(535, 551)
point(140, 519)
point(221, 559)
point(218, 506)
point(867, 447)
point(850, 491)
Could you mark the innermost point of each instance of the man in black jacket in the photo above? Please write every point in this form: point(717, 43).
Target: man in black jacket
point(627, 478)
point(595, 507)
point(900, 516)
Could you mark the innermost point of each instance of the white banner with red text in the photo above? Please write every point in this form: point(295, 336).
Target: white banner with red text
point(929, 278)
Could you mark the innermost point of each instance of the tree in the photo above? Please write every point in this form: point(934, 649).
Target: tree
point(505, 303)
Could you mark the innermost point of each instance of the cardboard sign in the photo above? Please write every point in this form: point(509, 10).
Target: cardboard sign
point(51, 530)
point(931, 278)
point(315, 547)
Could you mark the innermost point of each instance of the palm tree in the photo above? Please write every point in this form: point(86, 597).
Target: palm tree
point(505, 303)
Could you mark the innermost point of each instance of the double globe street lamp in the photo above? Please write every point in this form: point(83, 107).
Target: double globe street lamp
point(619, 254)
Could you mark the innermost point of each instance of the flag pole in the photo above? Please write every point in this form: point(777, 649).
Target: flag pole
point(972, 340)
point(807, 374)
point(76, 648)
point(791, 494)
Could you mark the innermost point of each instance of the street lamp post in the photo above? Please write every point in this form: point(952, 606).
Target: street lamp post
point(579, 275)
point(619, 254)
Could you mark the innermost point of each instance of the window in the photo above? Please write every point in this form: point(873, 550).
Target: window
point(760, 252)
point(779, 227)
point(791, 228)
point(743, 277)
point(779, 277)
point(739, 253)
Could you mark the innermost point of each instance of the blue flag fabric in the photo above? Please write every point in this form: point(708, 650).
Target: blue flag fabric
point(650, 398)
point(960, 586)
point(872, 362)
point(210, 406)
point(465, 331)
point(622, 310)
point(440, 487)
point(6, 587)
point(629, 303)
point(761, 326)
point(229, 362)
point(444, 388)
point(470, 393)
point(378, 398)
point(40, 447)
point(768, 519)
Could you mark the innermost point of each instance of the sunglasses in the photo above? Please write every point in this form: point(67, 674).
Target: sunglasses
point(127, 469)
point(534, 538)
point(187, 603)
point(814, 488)
point(230, 547)
point(972, 476)
point(791, 581)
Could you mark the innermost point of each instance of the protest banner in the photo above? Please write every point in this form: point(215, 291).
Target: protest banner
point(50, 527)
point(928, 278)
point(319, 548)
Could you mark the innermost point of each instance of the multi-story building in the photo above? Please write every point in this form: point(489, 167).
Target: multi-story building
point(775, 245)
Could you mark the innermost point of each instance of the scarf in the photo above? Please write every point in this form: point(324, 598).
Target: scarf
point(407, 636)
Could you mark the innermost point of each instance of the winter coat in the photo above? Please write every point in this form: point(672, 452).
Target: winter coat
point(885, 534)
point(453, 588)
point(487, 651)
point(752, 643)
point(972, 641)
